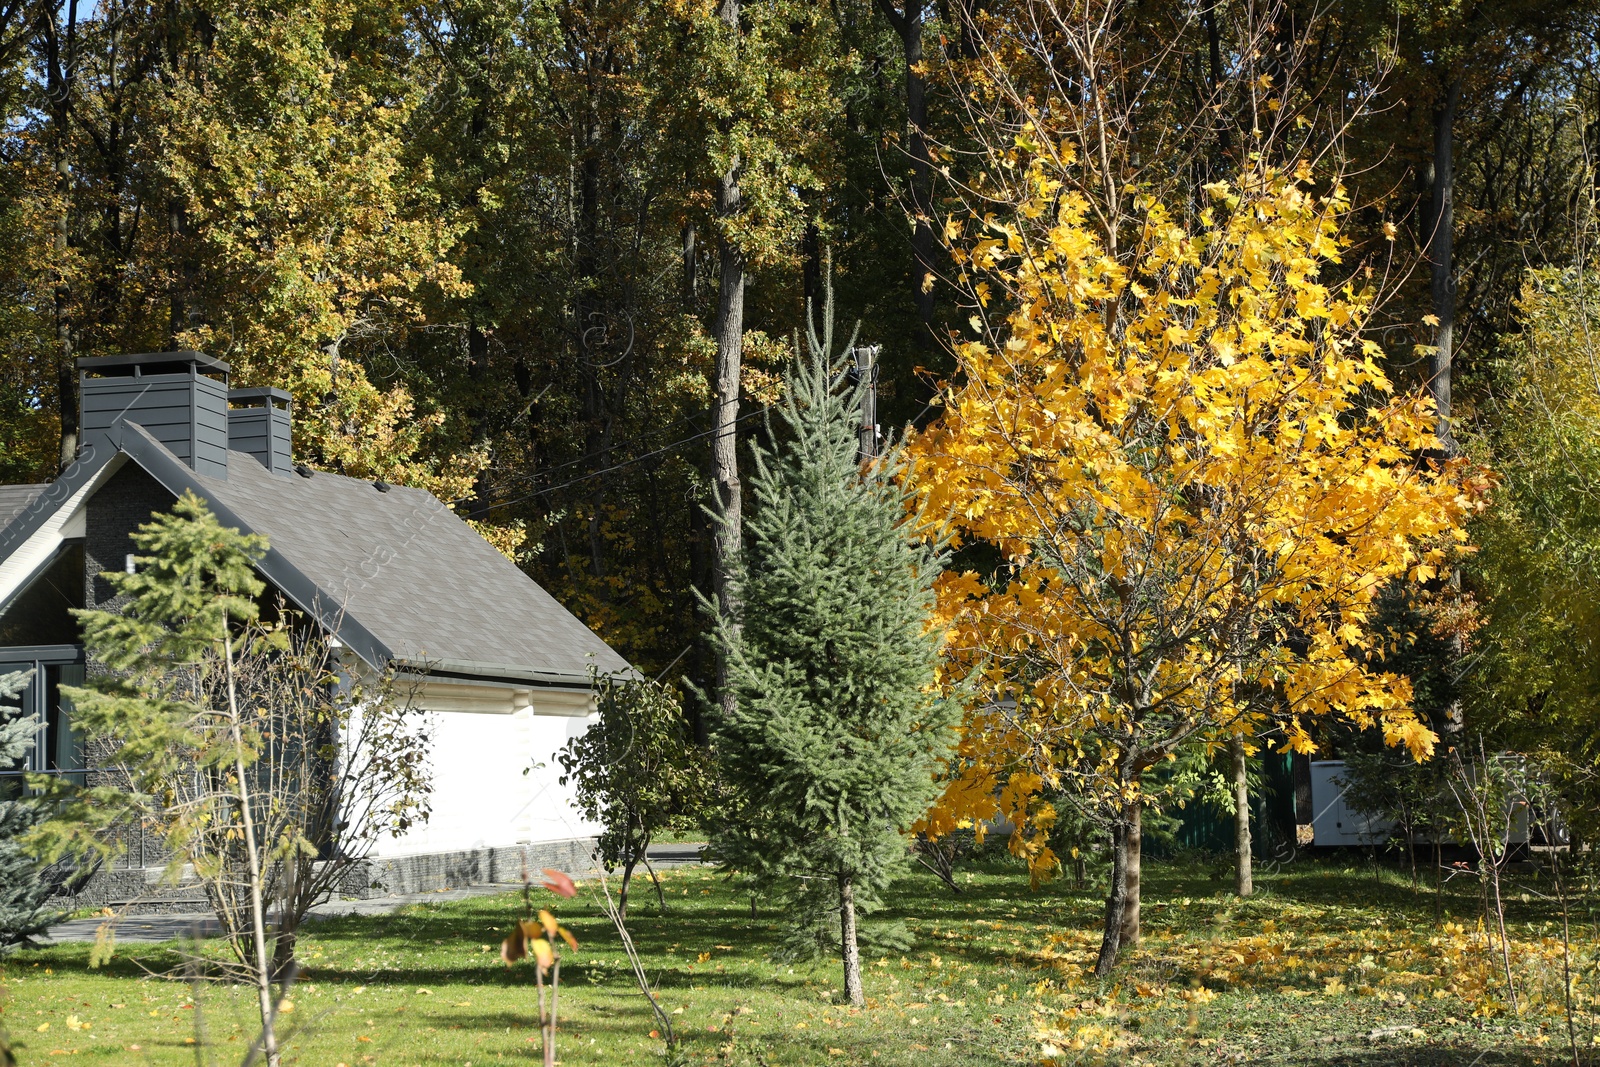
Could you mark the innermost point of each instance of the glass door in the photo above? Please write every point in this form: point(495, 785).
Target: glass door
point(57, 748)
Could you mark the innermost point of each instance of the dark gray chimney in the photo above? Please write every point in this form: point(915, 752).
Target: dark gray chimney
point(259, 422)
point(180, 398)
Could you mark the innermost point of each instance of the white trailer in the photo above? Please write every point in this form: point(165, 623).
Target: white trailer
point(1334, 822)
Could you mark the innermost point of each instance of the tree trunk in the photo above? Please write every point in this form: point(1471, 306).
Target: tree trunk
point(477, 505)
point(1122, 903)
point(550, 1028)
point(61, 72)
point(1440, 252)
point(690, 290)
point(183, 271)
point(908, 26)
point(847, 942)
point(258, 912)
point(622, 887)
point(589, 322)
point(1133, 847)
point(729, 330)
point(1244, 882)
point(655, 879)
point(1441, 261)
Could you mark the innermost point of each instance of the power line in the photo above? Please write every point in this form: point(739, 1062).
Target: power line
point(619, 466)
point(564, 464)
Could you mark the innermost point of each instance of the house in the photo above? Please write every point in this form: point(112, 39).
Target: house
point(392, 573)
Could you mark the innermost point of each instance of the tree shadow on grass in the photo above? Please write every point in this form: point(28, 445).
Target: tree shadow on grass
point(451, 938)
point(1433, 1056)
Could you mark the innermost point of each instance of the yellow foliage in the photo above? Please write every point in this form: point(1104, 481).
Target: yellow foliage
point(1198, 477)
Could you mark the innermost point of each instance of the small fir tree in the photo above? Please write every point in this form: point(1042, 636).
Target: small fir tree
point(23, 893)
point(838, 729)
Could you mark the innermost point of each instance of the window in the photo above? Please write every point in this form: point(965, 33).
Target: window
point(57, 749)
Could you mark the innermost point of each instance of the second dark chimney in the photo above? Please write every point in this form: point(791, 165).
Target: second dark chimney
point(260, 424)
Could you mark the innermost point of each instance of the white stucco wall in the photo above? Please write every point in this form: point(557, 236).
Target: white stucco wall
point(482, 743)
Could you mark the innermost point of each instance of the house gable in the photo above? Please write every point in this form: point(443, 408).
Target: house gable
point(127, 500)
point(398, 580)
point(394, 574)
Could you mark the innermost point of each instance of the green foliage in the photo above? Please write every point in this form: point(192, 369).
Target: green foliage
point(23, 894)
point(838, 731)
point(637, 771)
point(1535, 682)
point(1413, 796)
point(1536, 568)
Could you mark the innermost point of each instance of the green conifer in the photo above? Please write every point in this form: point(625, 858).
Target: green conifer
point(838, 728)
point(23, 894)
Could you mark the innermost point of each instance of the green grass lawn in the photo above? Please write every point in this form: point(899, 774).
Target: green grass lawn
point(1322, 967)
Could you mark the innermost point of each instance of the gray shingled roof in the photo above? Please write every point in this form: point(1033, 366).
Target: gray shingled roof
point(411, 572)
point(14, 499)
point(398, 576)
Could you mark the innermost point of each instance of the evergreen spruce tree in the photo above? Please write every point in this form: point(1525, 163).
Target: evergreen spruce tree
point(22, 892)
point(834, 740)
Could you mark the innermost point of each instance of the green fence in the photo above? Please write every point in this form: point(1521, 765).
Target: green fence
point(1204, 829)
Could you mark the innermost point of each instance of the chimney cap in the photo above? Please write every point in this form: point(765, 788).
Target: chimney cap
point(198, 360)
point(243, 397)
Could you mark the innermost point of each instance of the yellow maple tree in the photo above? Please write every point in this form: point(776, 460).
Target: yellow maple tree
point(1197, 478)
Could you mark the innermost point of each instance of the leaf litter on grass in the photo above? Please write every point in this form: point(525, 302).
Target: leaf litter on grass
point(998, 975)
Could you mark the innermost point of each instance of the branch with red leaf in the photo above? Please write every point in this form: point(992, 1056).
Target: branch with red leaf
point(540, 938)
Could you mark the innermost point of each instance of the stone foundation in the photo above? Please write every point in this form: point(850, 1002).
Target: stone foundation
point(142, 888)
point(482, 866)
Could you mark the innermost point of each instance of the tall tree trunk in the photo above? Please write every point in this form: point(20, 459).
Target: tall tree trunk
point(1440, 253)
point(1224, 134)
point(811, 280)
point(729, 331)
point(1244, 881)
point(1122, 902)
point(691, 285)
point(847, 941)
point(61, 62)
point(477, 505)
point(182, 271)
point(478, 408)
point(590, 325)
point(1441, 261)
point(908, 25)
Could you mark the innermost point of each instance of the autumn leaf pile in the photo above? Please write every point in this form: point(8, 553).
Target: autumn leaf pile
point(1321, 962)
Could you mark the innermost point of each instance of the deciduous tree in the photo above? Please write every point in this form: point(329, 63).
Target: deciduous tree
point(1197, 476)
point(637, 772)
point(239, 741)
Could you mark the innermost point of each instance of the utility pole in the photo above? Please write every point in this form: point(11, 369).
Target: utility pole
point(866, 374)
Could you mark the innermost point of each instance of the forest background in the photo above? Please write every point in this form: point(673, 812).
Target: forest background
point(543, 258)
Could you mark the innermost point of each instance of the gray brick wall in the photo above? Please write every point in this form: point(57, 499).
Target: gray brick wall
point(126, 502)
point(122, 505)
